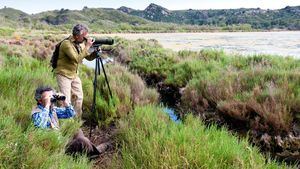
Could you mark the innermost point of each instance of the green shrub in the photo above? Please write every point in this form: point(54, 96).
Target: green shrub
point(6, 31)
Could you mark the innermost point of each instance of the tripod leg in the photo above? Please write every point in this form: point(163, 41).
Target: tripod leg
point(98, 66)
point(105, 77)
point(93, 109)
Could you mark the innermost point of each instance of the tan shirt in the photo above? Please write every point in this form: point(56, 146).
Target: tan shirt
point(69, 57)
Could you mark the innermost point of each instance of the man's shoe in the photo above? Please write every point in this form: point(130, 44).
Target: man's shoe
point(103, 147)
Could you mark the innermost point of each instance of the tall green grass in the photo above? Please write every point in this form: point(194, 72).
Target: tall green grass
point(150, 140)
point(145, 57)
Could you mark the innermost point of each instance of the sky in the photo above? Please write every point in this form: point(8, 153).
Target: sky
point(36, 6)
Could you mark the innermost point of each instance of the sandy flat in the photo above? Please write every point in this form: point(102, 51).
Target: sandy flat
point(279, 43)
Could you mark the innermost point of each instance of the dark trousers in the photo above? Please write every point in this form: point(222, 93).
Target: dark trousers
point(81, 145)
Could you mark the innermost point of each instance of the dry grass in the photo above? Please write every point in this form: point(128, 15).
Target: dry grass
point(122, 81)
point(265, 106)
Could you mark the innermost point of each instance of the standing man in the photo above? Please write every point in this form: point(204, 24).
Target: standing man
point(71, 53)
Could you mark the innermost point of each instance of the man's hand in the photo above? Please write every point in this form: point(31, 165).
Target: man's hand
point(89, 43)
point(47, 99)
point(63, 103)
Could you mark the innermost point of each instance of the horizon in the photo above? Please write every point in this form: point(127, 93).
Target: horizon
point(31, 7)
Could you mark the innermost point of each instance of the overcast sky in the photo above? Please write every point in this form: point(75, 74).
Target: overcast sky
point(35, 6)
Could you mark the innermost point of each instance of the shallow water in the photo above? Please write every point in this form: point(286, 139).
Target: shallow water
point(91, 64)
point(172, 115)
point(285, 43)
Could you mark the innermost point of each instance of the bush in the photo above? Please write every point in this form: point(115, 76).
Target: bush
point(6, 31)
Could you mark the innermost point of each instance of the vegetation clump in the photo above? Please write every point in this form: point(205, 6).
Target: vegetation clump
point(258, 94)
point(150, 139)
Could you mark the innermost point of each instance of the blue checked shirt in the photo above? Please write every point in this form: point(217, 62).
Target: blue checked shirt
point(43, 118)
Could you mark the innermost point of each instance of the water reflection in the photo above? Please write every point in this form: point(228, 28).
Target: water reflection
point(91, 64)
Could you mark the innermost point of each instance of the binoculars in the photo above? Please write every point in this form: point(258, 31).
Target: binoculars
point(55, 98)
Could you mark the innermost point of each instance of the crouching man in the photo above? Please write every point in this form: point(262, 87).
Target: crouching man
point(46, 115)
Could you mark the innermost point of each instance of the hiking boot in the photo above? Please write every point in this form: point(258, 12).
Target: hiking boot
point(102, 147)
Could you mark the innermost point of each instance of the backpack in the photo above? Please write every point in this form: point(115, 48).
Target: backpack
point(55, 54)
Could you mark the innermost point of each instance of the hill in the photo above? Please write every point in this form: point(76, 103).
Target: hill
point(9, 17)
point(286, 18)
point(97, 18)
point(155, 18)
point(88, 15)
point(100, 20)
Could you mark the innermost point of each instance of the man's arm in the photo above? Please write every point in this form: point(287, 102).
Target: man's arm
point(40, 119)
point(68, 49)
point(91, 57)
point(65, 112)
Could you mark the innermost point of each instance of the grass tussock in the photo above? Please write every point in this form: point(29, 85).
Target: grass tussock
point(147, 58)
point(128, 90)
point(263, 99)
point(26, 44)
point(151, 140)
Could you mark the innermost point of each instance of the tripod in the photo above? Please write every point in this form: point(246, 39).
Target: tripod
point(98, 61)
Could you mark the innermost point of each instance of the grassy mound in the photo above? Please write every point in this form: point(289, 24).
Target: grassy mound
point(150, 140)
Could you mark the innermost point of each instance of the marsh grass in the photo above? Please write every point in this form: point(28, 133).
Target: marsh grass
point(128, 90)
point(261, 90)
point(150, 139)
